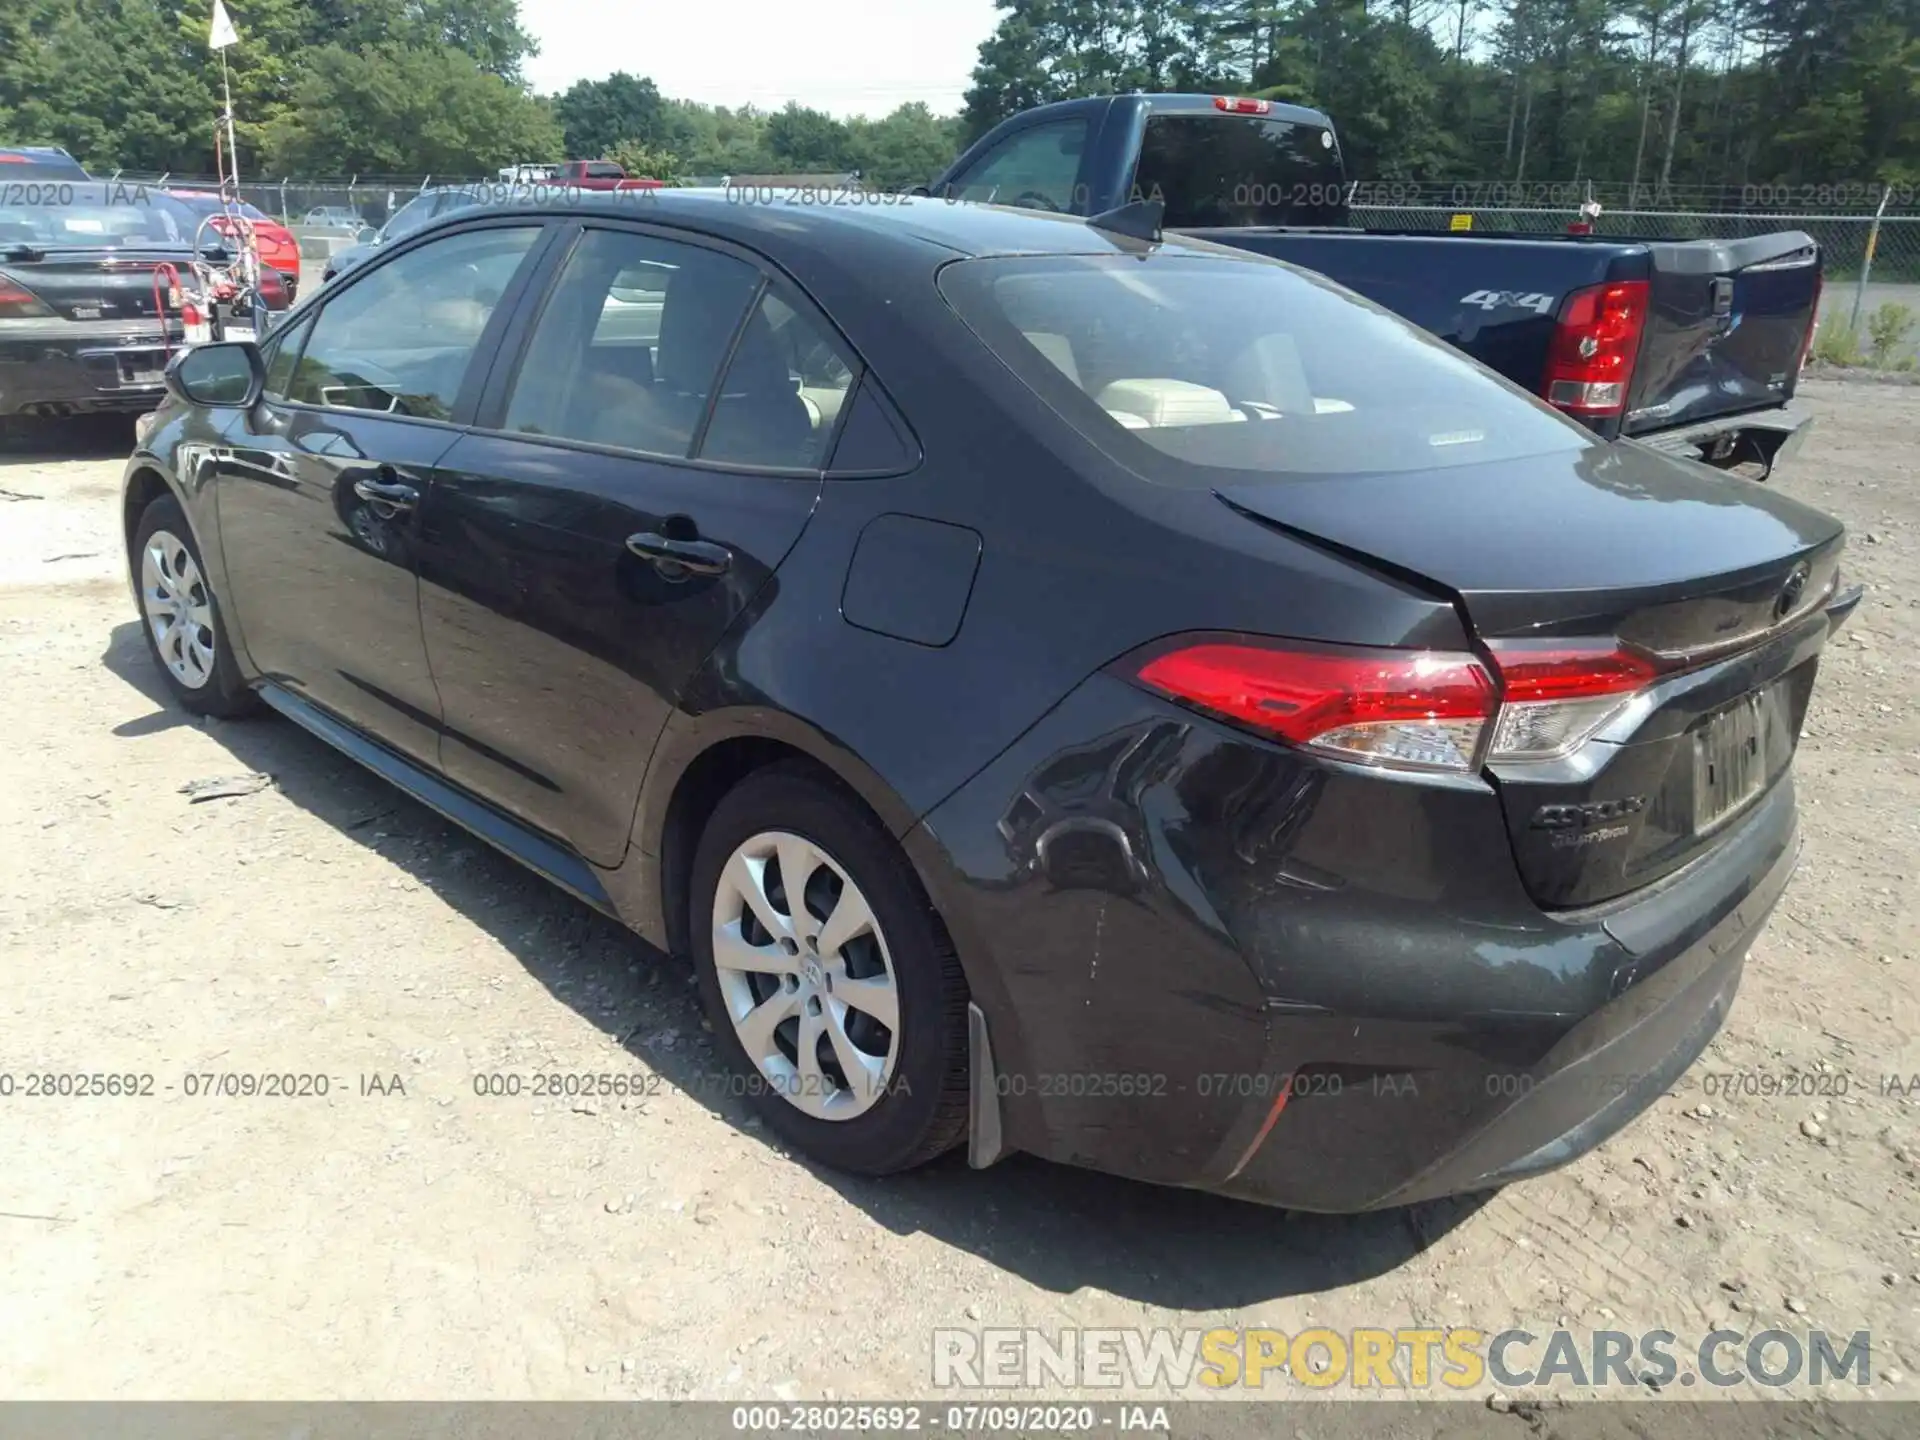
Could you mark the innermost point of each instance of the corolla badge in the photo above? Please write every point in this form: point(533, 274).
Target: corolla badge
point(1586, 817)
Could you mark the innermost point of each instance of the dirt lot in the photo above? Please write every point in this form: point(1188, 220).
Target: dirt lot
point(436, 1244)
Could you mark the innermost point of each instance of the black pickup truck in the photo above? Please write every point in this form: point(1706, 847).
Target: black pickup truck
point(1693, 346)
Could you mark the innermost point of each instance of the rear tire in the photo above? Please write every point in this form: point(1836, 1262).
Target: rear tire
point(180, 616)
point(811, 996)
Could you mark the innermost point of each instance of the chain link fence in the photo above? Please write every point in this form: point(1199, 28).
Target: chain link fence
point(1869, 235)
point(371, 197)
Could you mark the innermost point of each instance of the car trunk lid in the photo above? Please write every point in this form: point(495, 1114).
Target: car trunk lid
point(1727, 325)
point(94, 285)
point(1718, 581)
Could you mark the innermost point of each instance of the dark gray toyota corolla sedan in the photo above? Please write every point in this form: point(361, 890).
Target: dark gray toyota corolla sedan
point(1069, 692)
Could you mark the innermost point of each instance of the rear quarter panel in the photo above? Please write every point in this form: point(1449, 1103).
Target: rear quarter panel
point(1078, 564)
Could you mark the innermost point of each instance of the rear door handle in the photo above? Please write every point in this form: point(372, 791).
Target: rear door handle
point(384, 488)
point(702, 557)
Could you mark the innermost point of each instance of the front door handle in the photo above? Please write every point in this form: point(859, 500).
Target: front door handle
point(385, 490)
point(701, 557)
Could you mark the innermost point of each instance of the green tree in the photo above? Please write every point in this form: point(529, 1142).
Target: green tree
point(802, 140)
point(905, 149)
point(645, 162)
point(712, 140)
point(597, 115)
point(398, 111)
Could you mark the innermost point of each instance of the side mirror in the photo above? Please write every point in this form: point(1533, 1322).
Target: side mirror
point(231, 373)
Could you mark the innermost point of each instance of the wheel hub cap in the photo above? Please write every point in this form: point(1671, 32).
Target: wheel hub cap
point(178, 609)
point(806, 976)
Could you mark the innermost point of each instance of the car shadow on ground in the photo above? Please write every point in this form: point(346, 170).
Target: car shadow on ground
point(1055, 1227)
point(26, 440)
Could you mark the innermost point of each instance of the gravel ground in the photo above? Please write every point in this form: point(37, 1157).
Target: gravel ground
point(402, 1237)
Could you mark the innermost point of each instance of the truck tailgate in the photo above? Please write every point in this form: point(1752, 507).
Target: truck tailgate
point(1727, 324)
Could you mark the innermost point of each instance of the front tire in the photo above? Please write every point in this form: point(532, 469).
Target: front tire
point(181, 618)
point(827, 977)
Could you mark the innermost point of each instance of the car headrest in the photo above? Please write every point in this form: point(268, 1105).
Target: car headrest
point(697, 319)
point(1167, 402)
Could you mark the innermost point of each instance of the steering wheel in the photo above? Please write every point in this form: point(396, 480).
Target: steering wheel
point(1034, 200)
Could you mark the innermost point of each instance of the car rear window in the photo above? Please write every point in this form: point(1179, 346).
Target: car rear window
point(92, 216)
point(1184, 365)
point(1242, 170)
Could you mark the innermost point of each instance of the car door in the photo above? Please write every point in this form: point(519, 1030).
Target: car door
point(319, 489)
point(636, 478)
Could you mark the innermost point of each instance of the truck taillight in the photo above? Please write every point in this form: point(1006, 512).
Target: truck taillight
point(19, 303)
point(1411, 710)
point(1595, 342)
point(1235, 105)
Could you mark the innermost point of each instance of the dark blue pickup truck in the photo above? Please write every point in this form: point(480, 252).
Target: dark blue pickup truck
point(1694, 346)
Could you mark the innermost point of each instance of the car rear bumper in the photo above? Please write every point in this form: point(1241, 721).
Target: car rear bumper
point(1206, 961)
point(1465, 1121)
point(64, 374)
point(1763, 437)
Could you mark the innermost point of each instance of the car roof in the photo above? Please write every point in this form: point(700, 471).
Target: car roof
point(780, 220)
point(38, 155)
point(1178, 104)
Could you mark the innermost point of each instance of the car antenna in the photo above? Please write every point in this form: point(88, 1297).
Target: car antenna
point(1138, 220)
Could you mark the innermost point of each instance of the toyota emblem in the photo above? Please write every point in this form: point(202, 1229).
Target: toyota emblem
point(1790, 593)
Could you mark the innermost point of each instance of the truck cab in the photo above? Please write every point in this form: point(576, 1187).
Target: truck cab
point(1692, 346)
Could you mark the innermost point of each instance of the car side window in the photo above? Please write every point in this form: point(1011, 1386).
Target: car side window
point(410, 216)
point(283, 352)
point(630, 342)
point(400, 338)
point(782, 394)
point(1036, 168)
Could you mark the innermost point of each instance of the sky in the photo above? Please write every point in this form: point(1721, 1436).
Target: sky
point(847, 57)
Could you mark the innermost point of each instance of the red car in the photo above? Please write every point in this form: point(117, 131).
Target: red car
point(278, 249)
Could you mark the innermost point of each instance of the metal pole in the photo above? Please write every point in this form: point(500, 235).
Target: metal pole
point(233, 152)
point(1866, 264)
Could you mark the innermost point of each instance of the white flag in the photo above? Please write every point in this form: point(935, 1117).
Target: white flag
point(223, 33)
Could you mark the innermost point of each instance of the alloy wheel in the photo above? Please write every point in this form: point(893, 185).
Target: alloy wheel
point(805, 975)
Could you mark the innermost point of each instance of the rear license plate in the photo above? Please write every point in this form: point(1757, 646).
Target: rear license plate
point(141, 369)
point(1733, 757)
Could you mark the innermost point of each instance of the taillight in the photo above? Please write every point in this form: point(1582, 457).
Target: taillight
point(19, 303)
point(1595, 342)
point(1235, 105)
point(1420, 710)
point(1555, 694)
point(1407, 709)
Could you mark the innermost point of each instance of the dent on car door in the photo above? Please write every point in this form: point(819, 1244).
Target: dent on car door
point(319, 496)
point(585, 551)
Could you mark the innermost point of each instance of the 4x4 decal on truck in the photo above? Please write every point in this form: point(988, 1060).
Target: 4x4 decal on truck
point(1534, 300)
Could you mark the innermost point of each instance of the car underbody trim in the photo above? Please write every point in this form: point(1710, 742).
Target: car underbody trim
point(538, 853)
